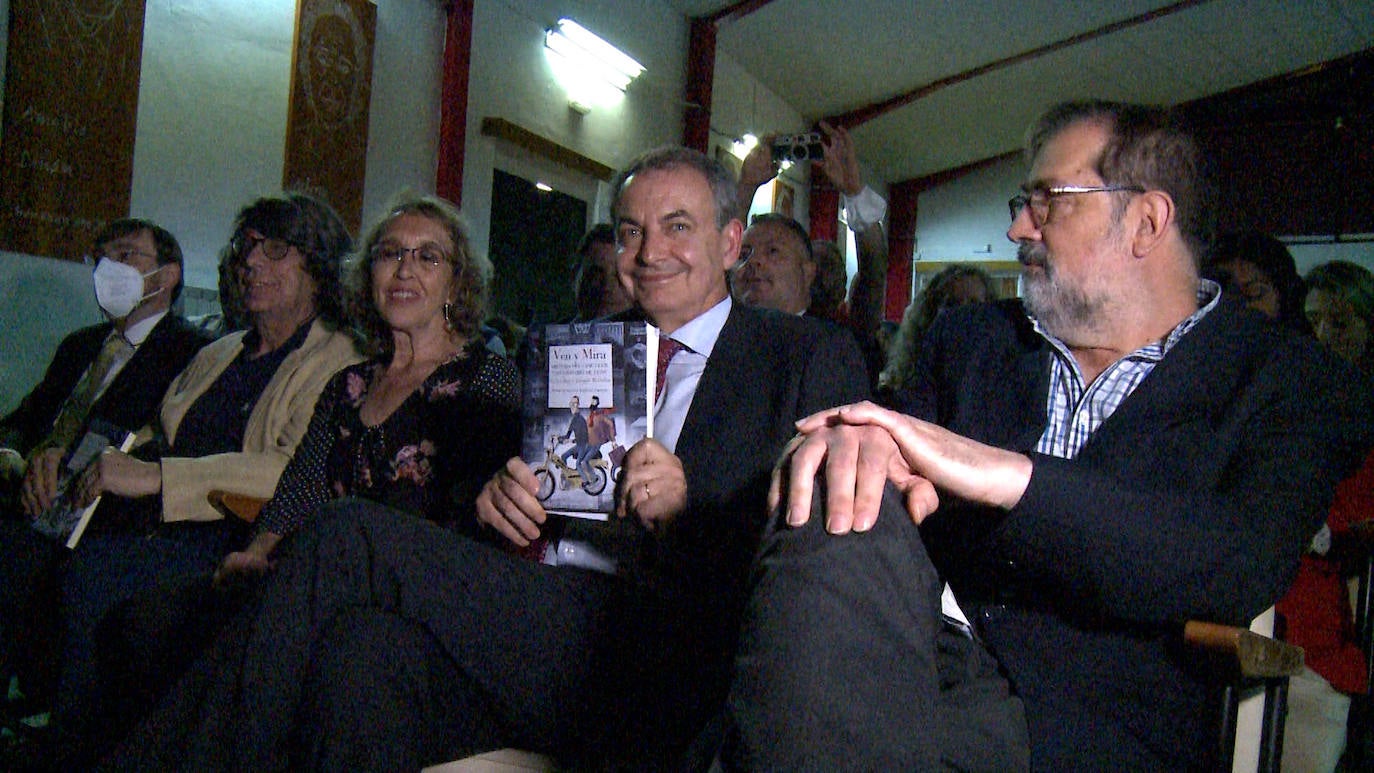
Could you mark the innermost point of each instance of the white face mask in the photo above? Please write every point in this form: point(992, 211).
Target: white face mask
point(119, 287)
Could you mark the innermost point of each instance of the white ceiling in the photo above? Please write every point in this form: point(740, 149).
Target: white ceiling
point(829, 57)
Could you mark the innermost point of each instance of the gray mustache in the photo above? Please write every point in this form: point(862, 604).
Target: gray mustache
point(1031, 254)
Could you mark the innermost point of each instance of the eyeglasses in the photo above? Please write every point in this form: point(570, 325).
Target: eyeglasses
point(426, 255)
point(122, 254)
point(274, 249)
point(1039, 199)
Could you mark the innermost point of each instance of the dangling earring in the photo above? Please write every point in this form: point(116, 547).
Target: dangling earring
point(448, 317)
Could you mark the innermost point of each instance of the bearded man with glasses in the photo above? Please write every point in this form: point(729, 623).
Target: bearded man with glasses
point(1123, 453)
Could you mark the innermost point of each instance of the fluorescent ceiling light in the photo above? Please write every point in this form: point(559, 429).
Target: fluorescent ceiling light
point(582, 49)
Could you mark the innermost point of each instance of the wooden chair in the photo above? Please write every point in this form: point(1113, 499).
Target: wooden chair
point(1256, 665)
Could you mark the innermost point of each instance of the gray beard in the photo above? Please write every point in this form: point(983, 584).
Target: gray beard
point(1060, 309)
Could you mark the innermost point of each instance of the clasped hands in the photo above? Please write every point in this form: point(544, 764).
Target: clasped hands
point(860, 448)
point(652, 488)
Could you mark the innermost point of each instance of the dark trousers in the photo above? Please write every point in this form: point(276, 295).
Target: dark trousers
point(382, 641)
point(845, 663)
point(30, 574)
point(104, 570)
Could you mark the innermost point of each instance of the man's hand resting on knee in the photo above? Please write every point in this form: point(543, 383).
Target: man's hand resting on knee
point(862, 447)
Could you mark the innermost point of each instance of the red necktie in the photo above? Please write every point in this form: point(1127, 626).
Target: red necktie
point(667, 349)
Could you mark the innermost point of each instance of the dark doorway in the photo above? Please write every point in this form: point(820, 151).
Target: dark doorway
point(533, 236)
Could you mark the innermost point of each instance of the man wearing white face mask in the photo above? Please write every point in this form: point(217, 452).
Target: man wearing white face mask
point(116, 370)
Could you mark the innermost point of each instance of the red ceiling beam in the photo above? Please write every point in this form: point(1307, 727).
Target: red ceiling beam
point(453, 102)
point(701, 70)
point(701, 73)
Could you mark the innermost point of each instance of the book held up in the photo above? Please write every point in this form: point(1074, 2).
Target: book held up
point(588, 397)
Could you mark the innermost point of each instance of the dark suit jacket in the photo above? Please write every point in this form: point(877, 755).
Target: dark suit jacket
point(1193, 500)
point(767, 370)
point(130, 401)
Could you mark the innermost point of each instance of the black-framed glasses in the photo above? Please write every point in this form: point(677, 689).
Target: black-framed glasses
point(272, 247)
point(428, 255)
point(1039, 199)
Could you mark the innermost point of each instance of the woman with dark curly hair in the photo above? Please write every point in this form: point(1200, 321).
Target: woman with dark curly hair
point(953, 286)
point(1258, 269)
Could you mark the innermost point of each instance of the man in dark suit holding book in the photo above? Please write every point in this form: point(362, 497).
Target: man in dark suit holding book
point(431, 646)
point(115, 372)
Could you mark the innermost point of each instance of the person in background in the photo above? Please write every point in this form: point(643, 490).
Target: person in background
point(779, 269)
point(595, 286)
point(137, 351)
point(420, 426)
point(1340, 308)
point(1339, 304)
point(951, 288)
point(1259, 270)
point(789, 286)
point(229, 422)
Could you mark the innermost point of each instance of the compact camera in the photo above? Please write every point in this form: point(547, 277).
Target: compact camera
point(798, 148)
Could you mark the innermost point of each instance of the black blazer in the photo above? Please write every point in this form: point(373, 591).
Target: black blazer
point(767, 370)
point(1193, 500)
point(130, 401)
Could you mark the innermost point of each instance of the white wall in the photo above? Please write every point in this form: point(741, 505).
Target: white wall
point(742, 106)
point(967, 219)
point(511, 79)
point(211, 134)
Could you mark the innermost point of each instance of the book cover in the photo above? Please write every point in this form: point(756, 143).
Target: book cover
point(61, 518)
point(588, 397)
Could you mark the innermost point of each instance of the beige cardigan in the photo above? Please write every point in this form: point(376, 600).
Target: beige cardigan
point(276, 425)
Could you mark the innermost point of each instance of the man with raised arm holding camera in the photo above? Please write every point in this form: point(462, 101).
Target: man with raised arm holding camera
point(779, 269)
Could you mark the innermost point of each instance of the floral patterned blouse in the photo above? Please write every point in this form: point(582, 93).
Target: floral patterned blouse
point(430, 457)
